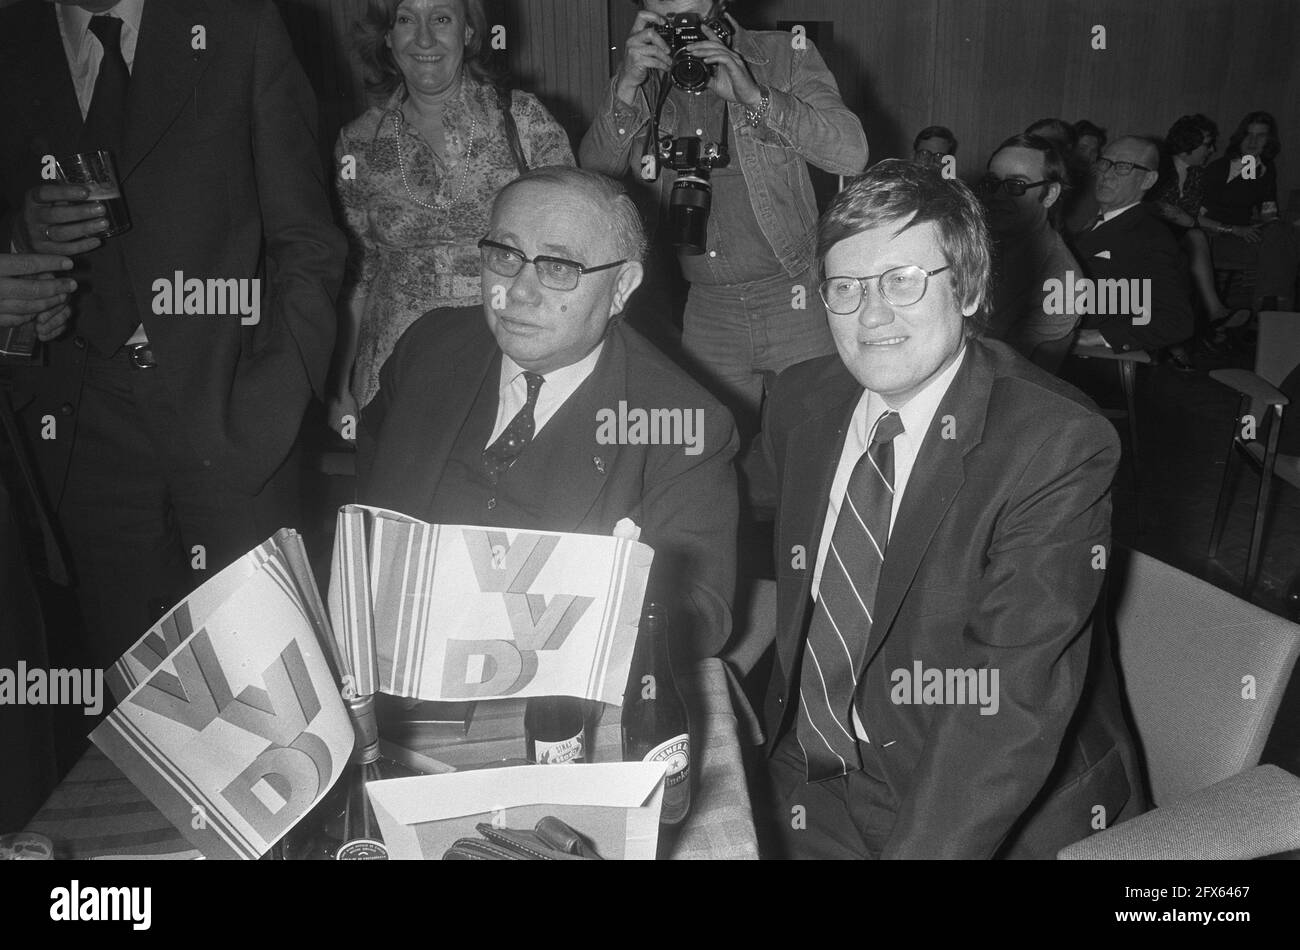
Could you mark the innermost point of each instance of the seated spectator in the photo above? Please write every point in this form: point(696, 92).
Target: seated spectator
point(933, 143)
point(1021, 191)
point(1178, 196)
point(1090, 140)
point(1078, 210)
point(1240, 208)
point(1129, 242)
point(489, 415)
point(1058, 131)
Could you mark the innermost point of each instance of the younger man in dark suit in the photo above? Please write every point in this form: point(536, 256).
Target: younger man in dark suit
point(944, 513)
point(540, 410)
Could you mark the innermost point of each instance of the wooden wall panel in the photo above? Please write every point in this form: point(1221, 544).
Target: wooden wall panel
point(984, 67)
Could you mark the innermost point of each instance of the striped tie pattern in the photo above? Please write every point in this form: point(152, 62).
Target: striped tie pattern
point(841, 622)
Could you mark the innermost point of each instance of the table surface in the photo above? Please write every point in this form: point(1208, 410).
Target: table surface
point(96, 811)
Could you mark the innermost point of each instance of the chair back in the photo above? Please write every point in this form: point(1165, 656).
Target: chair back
point(1278, 350)
point(1203, 671)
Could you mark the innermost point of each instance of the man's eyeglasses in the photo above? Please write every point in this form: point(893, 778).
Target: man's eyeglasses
point(900, 286)
point(989, 185)
point(557, 273)
point(1122, 169)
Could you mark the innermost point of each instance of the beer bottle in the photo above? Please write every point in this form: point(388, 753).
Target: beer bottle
point(355, 830)
point(655, 727)
point(555, 730)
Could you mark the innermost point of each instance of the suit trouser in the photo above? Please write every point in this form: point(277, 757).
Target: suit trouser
point(841, 818)
point(145, 523)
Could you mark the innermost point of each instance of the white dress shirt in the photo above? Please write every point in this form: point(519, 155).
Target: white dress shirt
point(84, 50)
point(916, 416)
point(1116, 213)
point(85, 53)
point(559, 385)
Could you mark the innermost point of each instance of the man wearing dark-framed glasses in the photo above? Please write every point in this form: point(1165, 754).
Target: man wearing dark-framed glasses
point(1022, 190)
point(491, 415)
point(948, 493)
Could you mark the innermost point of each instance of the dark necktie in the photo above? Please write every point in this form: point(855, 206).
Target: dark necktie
point(105, 118)
point(1101, 219)
point(501, 454)
point(846, 597)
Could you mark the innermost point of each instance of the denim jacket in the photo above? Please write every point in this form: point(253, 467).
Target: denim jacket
point(807, 121)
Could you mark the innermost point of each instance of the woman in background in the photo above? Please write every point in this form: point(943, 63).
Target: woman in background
point(417, 174)
point(1240, 210)
point(1179, 194)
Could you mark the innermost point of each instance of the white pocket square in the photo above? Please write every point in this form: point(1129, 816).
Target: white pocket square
point(1103, 254)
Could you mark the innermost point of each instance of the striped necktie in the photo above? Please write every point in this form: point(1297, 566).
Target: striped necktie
point(841, 622)
point(501, 454)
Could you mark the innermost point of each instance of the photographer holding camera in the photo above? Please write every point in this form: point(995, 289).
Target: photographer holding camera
point(734, 115)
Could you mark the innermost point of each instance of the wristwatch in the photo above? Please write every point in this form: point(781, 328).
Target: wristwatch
point(758, 116)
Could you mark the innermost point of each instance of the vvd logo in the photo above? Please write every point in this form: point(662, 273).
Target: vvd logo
point(473, 669)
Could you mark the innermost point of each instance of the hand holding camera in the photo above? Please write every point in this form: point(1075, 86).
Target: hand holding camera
point(695, 51)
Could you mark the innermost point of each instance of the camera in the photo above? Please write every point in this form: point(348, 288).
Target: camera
point(692, 194)
point(690, 73)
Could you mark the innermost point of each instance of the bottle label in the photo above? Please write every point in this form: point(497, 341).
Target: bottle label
point(677, 790)
point(362, 849)
point(557, 753)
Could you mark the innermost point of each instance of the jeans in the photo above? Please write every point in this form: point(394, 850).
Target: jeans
point(740, 337)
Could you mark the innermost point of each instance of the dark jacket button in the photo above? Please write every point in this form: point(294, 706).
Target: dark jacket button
point(66, 409)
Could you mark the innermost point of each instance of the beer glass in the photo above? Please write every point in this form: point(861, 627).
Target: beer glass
point(96, 172)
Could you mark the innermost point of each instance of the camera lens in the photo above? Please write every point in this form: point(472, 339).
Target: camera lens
point(691, 73)
point(689, 204)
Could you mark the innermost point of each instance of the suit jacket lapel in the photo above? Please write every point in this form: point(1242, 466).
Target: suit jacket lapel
point(937, 477)
point(806, 486)
point(166, 70)
point(574, 425)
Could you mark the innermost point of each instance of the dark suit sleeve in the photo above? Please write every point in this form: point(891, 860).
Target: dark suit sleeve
point(691, 510)
point(371, 424)
point(978, 774)
point(305, 251)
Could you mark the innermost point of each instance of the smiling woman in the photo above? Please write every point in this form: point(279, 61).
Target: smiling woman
point(417, 173)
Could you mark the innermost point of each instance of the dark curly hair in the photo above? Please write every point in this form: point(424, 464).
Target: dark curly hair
point(381, 72)
point(1188, 133)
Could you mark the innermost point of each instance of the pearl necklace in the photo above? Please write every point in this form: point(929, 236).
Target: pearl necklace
point(464, 176)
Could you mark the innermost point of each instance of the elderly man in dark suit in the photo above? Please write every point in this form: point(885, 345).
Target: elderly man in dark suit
point(944, 514)
point(164, 437)
point(541, 410)
point(1129, 242)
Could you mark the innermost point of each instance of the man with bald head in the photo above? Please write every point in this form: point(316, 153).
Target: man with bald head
point(1128, 242)
point(512, 415)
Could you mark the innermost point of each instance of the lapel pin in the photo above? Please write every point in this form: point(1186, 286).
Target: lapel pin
point(599, 463)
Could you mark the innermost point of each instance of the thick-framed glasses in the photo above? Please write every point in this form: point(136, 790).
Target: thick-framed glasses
point(1122, 169)
point(557, 273)
point(989, 185)
point(900, 286)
